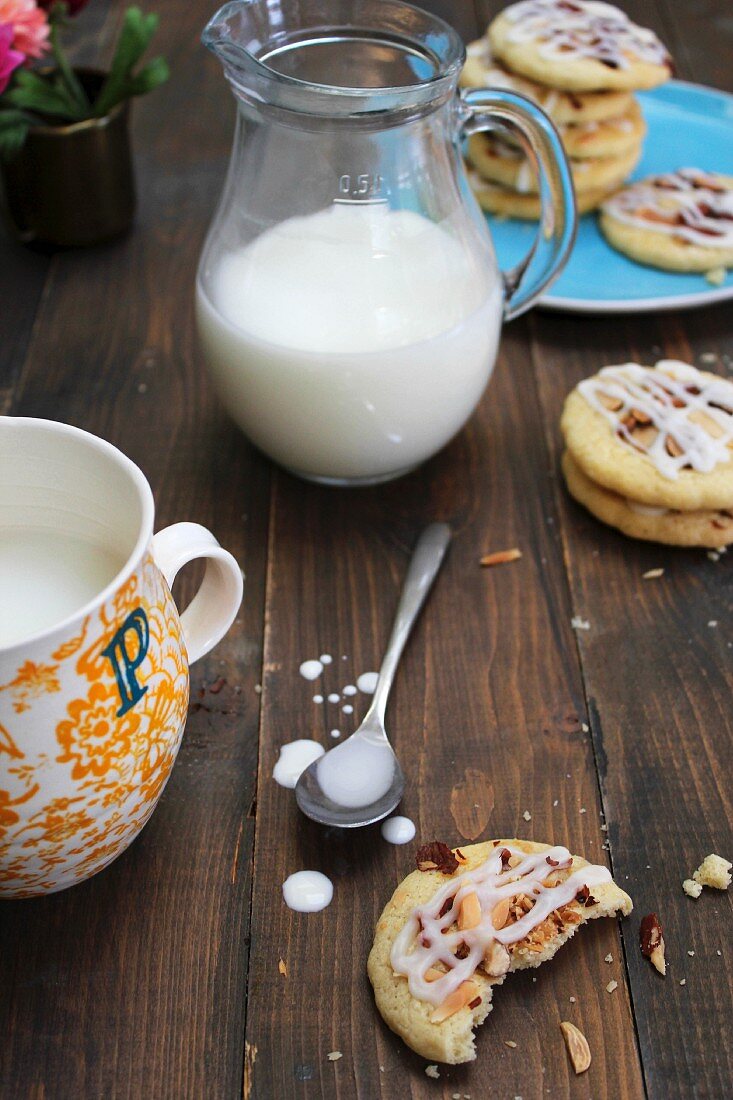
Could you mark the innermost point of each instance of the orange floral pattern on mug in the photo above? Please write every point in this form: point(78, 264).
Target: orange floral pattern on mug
point(90, 777)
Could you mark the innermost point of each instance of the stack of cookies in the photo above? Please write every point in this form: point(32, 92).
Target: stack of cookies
point(650, 452)
point(581, 62)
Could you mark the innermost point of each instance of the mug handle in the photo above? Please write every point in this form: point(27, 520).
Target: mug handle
point(490, 109)
point(214, 607)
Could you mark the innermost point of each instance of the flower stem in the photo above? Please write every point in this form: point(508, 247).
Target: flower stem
point(73, 85)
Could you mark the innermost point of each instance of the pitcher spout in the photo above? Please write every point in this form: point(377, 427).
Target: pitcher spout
point(231, 34)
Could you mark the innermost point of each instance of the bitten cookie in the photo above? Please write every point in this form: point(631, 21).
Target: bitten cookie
point(482, 70)
point(578, 45)
point(500, 162)
point(661, 436)
point(680, 221)
point(495, 199)
point(641, 521)
point(454, 928)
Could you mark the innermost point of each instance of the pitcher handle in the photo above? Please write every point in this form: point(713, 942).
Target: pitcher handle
point(541, 143)
point(214, 607)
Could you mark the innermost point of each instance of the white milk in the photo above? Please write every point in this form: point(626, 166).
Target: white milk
point(352, 343)
point(45, 576)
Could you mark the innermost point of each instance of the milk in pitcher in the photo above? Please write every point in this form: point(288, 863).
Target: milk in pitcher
point(352, 343)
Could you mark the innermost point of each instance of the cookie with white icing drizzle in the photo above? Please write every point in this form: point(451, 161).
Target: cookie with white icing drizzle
point(669, 526)
point(508, 203)
point(679, 221)
point(578, 45)
point(447, 937)
point(500, 162)
point(661, 436)
point(482, 70)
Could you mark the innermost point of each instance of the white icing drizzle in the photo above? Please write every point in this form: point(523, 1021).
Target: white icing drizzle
point(427, 939)
point(675, 397)
point(688, 204)
point(566, 30)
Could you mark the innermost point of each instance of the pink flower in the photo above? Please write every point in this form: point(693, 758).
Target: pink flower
point(30, 26)
point(9, 59)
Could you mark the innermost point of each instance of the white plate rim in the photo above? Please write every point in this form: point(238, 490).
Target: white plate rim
point(556, 304)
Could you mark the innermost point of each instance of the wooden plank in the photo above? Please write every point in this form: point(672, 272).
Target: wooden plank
point(133, 984)
point(491, 683)
point(658, 677)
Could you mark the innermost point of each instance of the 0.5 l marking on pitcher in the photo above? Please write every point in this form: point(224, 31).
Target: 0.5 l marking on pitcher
point(365, 187)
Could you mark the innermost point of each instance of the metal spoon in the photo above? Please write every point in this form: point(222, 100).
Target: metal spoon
point(364, 769)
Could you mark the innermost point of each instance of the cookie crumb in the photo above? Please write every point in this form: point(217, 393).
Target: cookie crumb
point(527, 815)
point(585, 727)
point(691, 888)
point(577, 1046)
point(283, 968)
point(334, 1055)
point(583, 810)
point(258, 689)
point(691, 954)
point(683, 981)
point(714, 871)
point(611, 986)
point(652, 574)
point(572, 1000)
point(510, 1043)
point(608, 958)
point(716, 276)
point(501, 557)
point(432, 1071)
point(712, 622)
point(718, 952)
point(556, 802)
point(578, 623)
point(713, 555)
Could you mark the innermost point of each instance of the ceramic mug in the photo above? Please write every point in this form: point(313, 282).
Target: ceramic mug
point(93, 696)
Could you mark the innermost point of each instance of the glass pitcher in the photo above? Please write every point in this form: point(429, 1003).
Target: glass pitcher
point(348, 299)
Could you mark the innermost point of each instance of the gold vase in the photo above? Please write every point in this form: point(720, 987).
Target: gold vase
point(72, 185)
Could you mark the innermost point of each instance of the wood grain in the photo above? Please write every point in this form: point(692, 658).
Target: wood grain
point(480, 688)
point(132, 984)
point(138, 982)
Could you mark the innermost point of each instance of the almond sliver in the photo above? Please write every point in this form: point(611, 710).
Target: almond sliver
point(465, 993)
point(470, 914)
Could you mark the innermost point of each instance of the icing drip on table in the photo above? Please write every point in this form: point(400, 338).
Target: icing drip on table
point(567, 30)
point(688, 204)
point(427, 938)
point(672, 413)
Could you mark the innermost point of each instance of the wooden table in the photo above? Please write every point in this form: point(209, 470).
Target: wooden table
point(160, 978)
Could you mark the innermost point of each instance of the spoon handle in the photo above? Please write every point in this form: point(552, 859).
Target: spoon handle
point(427, 559)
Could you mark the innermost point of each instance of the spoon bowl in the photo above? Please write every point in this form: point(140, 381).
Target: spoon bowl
point(361, 781)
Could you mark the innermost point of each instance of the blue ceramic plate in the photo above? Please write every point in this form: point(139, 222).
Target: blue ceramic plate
point(689, 126)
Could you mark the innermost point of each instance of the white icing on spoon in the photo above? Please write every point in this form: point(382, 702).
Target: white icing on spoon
point(357, 773)
point(294, 759)
point(307, 891)
point(398, 830)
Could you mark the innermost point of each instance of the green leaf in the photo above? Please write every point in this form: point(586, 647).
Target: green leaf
point(122, 82)
point(14, 126)
point(34, 93)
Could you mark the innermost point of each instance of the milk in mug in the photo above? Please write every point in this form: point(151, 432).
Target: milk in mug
point(353, 343)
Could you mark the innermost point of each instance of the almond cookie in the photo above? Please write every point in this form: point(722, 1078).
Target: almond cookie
point(498, 161)
point(481, 70)
point(454, 929)
point(611, 138)
point(495, 199)
point(661, 436)
point(680, 221)
point(578, 45)
point(641, 521)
